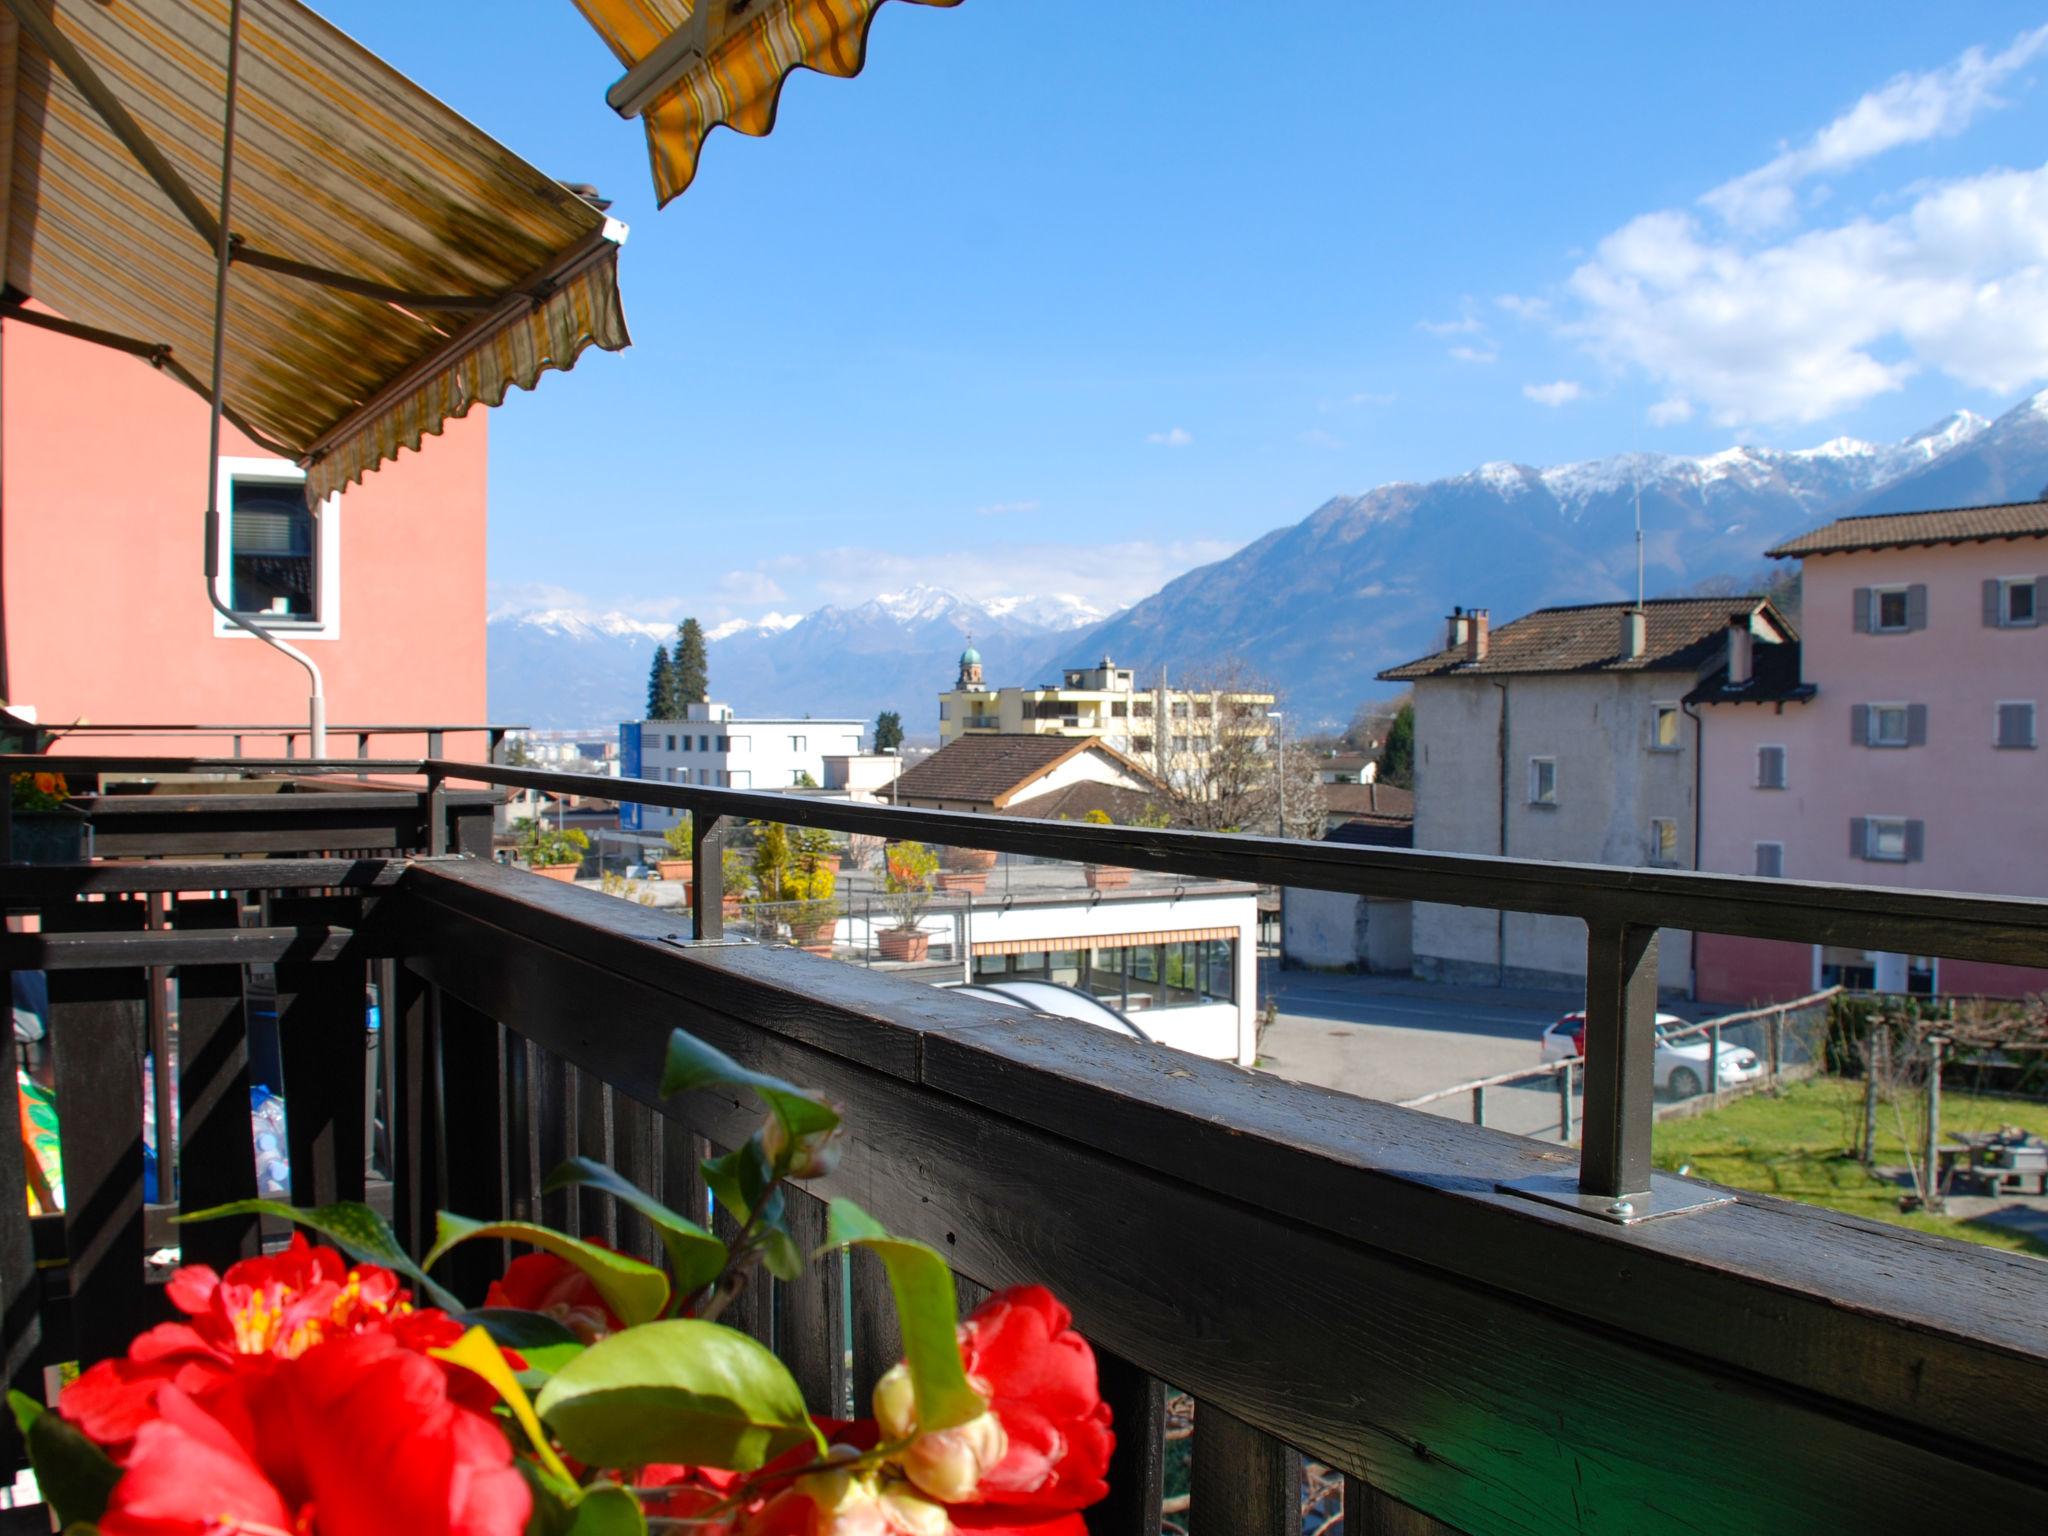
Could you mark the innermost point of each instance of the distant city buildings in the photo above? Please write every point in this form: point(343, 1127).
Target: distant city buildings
point(1897, 742)
point(1168, 730)
point(712, 746)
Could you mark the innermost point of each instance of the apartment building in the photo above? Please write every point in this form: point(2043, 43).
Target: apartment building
point(711, 745)
point(1895, 742)
point(1563, 735)
point(1166, 729)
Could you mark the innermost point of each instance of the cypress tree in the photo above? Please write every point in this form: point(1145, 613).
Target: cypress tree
point(693, 680)
point(661, 687)
point(888, 730)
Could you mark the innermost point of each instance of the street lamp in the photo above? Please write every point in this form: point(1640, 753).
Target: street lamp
point(1280, 772)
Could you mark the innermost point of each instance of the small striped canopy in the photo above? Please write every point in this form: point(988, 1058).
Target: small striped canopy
point(340, 163)
point(727, 60)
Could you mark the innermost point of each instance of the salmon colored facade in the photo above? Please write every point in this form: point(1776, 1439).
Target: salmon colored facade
point(1957, 776)
point(106, 618)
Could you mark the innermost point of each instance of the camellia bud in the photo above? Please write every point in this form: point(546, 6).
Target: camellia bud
point(895, 1403)
point(949, 1464)
point(861, 1504)
point(802, 1157)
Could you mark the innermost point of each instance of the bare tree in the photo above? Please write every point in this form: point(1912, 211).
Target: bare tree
point(1227, 765)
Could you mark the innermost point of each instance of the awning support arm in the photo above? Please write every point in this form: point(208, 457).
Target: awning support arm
point(671, 58)
point(157, 354)
point(250, 256)
point(223, 250)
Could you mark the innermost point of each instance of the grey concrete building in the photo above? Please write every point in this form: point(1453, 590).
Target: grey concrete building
point(1563, 735)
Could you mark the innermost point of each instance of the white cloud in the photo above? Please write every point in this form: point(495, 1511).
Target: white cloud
point(750, 587)
point(1467, 324)
point(508, 599)
point(1316, 437)
point(1005, 508)
point(1561, 392)
point(1824, 320)
point(1176, 437)
point(1908, 109)
point(1666, 413)
point(1475, 354)
point(1108, 576)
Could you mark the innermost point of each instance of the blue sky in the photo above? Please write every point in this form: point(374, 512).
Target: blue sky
point(1068, 296)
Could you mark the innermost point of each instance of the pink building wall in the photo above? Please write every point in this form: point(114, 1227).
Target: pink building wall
point(102, 483)
point(1985, 809)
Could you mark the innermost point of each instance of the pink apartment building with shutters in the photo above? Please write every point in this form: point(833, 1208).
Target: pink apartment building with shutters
point(1897, 743)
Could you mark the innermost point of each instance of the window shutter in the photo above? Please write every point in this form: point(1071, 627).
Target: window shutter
point(1916, 841)
point(1859, 837)
point(1991, 596)
point(1859, 725)
point(1862, 610)
point(1916, 606)
point(2015, 725)
point(1916, 725)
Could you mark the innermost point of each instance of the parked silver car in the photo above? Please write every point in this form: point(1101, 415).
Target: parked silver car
point(1681, 1065)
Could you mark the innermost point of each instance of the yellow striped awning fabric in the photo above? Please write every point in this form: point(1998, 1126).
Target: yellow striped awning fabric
point(693, 64)
point(1102, 941)
point(475, 271)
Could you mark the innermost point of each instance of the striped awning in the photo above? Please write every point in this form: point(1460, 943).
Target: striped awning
point(394, 266)
point(1103, 941)
point(693, 64)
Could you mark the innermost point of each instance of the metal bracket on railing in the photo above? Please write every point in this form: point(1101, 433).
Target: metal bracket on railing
point(681, 942)
point(1668, 1195)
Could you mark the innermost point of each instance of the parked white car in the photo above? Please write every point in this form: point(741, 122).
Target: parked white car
point(1681, 1065)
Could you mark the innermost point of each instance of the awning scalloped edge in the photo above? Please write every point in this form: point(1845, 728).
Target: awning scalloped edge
point(583, 311)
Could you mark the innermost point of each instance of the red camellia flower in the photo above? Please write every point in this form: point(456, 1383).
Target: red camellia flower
point(263, 1310)
point(354, 1437)
point(543, 1282)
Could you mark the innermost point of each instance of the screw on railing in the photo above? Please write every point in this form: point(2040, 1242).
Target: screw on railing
point(707, 876)
point(1621, 1044)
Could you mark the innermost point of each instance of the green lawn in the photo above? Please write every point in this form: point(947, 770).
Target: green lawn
point(1794, 1145)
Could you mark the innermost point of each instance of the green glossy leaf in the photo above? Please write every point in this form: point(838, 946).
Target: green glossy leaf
point(695, 1257)
point(350, 1225)
point(545, 1344)
point(692, 1065)
point(742, 1181)
point(676, 1391)
point(635, 1292)
point(607, 1510)
point(927, 1314)
point(75, 1475)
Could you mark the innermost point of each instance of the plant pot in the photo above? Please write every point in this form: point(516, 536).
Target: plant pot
point(61, 836)
point(903, 943)
point(732, 906)
point(673, 869)
point(969, 859)
point(973, 880)
point(566, 873)
point(814, 938)
point(1105, 877)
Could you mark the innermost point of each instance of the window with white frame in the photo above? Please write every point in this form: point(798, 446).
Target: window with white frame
point(1889, 725)
point(2018, 605)
point(799, 744)
point(1664, 728)
point(1770, 859)
point(1888, 839)
point(279, 557)
point(1663, 840)
point(686, 743)
point(1770, 767)
point(1543, 781)
point(1890, 610)
point(2016, 723)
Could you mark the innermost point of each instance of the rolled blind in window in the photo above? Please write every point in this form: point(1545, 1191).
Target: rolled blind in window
point(270, 520)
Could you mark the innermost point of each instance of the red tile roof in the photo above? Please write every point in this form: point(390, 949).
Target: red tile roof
point(1681, 635)
point(1900, 530)
point(1377, 802)
point(988, 770)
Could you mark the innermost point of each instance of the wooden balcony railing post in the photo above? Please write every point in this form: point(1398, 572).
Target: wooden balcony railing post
point(320, 1030)
point(1243, 1482)
point(1368, 1512)
point(1621, 1045)
point(472, 1129)
point(1137, 1468)
point(707, 876)
point(214, 1165)
point(810, 1315)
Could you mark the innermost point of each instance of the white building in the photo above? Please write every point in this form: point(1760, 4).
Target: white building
point(713, 746)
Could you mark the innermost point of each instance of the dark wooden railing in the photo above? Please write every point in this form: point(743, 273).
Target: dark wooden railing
point(1364, 1284)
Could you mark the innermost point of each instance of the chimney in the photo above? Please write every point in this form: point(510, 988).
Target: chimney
point(1476, 636)
point(1741, 651)
point(1372, 772)
point(1455, 630)
point(1634, 632)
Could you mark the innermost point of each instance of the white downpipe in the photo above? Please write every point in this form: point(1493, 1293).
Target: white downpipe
point(316, 708)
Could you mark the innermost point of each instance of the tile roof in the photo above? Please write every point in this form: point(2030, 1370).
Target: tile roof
point(1379, 802)
point(1681, 635)
point(1899, 530)
point(1774, 680)
point(988, 770)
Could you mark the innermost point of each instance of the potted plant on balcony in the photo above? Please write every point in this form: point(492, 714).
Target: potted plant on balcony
point(1103, 877)
point(794, 868)
point(676, 865)
point(908, 884)
point(738, 880)
point(556, 852)
point(48, 829)
point(967, 869)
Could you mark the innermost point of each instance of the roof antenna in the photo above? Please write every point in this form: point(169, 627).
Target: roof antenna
point(1639, 531)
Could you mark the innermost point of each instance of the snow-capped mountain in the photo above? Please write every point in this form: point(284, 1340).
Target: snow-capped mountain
point(1363, 582)
point(564, 668)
